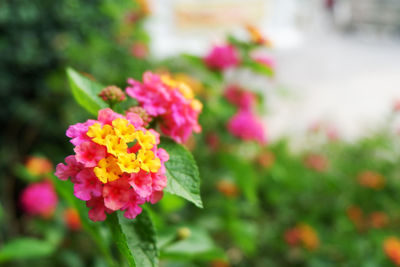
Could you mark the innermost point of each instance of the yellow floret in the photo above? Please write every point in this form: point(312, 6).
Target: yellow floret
point(115, 145)
point(99, 134)
point(148, 161)
point(146, 140)
point(183, 88)
point(124, 129)
point(107, 170)
point(196, 104)
point(116, 138)
point(128, 163)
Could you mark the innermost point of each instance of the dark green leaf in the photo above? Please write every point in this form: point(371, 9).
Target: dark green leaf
point(120, 238)
point(135, 239)
point(24, 248)
point(86, 91)
point(182, 172)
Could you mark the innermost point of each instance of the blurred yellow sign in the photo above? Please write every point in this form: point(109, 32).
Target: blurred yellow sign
point(219, 14)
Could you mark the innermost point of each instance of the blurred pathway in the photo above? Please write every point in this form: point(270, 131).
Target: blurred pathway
point(346, 81)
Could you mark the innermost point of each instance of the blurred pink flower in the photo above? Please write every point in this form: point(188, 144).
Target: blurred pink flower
point(39, 199)
point(239, 97)
point(316, 162)
point(222, 57)
point(332, 133)
point(247, 126)
point(265, 60)
point(140, 50)
point(396, 106)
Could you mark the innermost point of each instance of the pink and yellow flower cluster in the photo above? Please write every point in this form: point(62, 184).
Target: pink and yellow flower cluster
point(169, 100)
point(116, 165)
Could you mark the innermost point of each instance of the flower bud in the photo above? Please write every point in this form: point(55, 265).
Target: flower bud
point(112, 94)
point(184, 233)
point(142, 114)
point(228, 188)
point(72, 220)
point(38, 165)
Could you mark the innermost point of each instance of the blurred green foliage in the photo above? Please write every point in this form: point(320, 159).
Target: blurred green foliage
point(252, 195)
point(38, 40)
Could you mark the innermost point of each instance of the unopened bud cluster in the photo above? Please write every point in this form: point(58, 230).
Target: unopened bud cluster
point(112, 94)
point(141, 112)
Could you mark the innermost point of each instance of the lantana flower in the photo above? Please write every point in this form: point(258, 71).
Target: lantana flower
point(222, 57)
point(39, 199)
point(303, 234)
point(72, 219)
point(391, 246)
point(371, 179)
point(38, 165)
point(245, 125)
point(169, 100)
point(243, 99)
point(116, 165)
point(257, 37)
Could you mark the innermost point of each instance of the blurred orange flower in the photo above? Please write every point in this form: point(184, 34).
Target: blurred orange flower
point(355, 215)
point(308, 236)
point(391, 246)
point(304, 234)
point(72, 220)
point(38, 165)
point(219, 263)
point(371, 180)
point(228, 188)
point(316, 162)
point(144, 7)
point(266, 159)
point(257, 37)
point(378, 219)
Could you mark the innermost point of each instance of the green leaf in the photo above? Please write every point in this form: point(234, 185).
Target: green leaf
point(258, 68)
point(26, 248)
point(120, 238)
point(22, 172)
point(198, 245)
point(182, 172)
point(85, 91)
point(135, 239)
